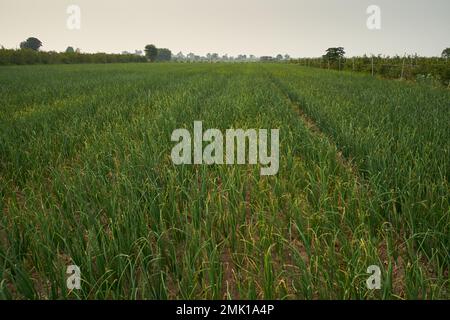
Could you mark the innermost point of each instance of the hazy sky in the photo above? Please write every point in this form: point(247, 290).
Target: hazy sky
point(259, 27)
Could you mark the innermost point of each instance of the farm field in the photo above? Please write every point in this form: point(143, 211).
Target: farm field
point(86, 179)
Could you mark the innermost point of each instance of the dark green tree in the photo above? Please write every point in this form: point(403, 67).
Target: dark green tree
point(164, 54)
point(70, 50)
point(31, 43)
point(151, 52)
point(446, 53)
point(333, 54)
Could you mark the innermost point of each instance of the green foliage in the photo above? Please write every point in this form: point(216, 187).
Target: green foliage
point(70, 50)
point(28, 56)
point(31, 43)
point(397, 135)
point(151, 52)
point(446, 53)
point(408, 67)
point(334, 54)
point(154, 54)
point(164, 55)
point(86, 179)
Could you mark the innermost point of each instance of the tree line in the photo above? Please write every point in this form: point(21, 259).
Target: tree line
point(29, 56)
point(411, 67)
point(215, 57)
point(429, 70)
point(30, 53)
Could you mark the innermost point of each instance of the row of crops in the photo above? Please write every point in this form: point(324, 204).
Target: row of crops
point(398, 137)
point(424, 70)
point(86, 179)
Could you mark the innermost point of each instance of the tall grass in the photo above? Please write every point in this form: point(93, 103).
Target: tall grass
point(399, 137)
point(86, 179)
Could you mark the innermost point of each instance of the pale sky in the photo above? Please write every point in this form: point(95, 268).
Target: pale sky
point(300, 28)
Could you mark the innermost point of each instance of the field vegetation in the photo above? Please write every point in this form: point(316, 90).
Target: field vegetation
point(86, 178)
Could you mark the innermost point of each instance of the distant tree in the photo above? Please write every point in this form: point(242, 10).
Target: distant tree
point(151, 52)
point(446, 53)
point(190, 56)
point(70, 50)
point(31, 43)
point(180, 56)
point(279, 57)
point(287, 57)
point(333, 54)
point(163, 54)
point(266, 58)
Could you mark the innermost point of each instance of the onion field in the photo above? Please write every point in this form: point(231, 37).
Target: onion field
point(87, 179)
